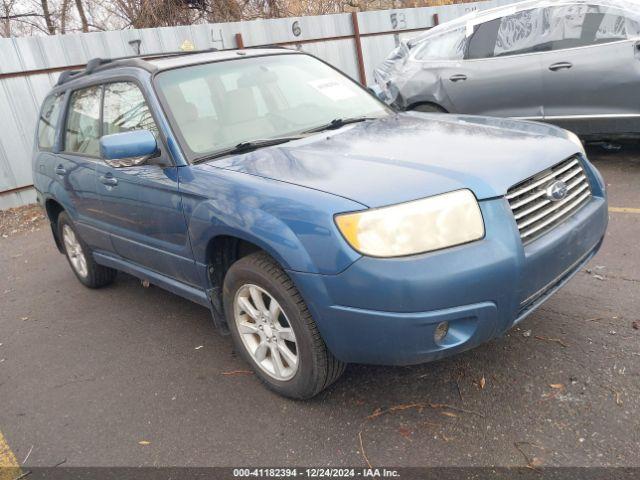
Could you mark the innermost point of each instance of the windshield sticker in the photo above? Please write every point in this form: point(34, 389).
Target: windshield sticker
point(332, 89)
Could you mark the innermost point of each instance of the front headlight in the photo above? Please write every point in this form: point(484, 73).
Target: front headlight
point(415, 227)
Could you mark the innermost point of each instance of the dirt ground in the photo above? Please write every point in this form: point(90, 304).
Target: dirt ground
point(22, 219)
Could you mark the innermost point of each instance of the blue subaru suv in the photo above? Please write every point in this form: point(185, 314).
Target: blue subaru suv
point(317, 225)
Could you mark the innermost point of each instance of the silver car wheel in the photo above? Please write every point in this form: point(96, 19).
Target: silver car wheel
point(266, 332)
point(74, 251)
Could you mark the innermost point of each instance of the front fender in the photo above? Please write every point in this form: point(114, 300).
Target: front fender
point(293, 224)
point(252, 225)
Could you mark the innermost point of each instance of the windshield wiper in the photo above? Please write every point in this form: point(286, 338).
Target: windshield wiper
point(338, 123)
point(248, 146)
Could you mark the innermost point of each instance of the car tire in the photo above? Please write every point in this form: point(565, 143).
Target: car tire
point(80, 258)
point(280, 341)
point(428, 108)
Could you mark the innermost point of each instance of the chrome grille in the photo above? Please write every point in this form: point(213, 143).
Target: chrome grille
point(534, 212)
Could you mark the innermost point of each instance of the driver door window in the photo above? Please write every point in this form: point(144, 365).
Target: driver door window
point(125, 109)
point(572, 26)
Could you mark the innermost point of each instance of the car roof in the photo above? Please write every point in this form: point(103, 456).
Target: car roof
point(481, 16)
point(157, 62)
point(165, 63)
point(629, 5)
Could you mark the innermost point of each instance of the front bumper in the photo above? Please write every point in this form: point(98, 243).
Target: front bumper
point(385, 311)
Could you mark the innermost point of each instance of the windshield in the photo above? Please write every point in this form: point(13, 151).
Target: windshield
point(216, 106)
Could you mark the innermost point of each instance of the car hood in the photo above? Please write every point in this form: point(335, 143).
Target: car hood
point(412, 155)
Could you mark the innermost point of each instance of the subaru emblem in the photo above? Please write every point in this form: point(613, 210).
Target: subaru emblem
point(556, 191)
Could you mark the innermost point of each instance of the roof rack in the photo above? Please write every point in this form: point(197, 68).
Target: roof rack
point(98, 64)
point(269, 46)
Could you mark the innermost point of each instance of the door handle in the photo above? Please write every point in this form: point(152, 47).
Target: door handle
point(560, 66)
point(60, 170)
point(458, 77)
point(109, 180)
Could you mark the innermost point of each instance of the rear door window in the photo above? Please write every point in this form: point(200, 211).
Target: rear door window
point(48, 122)
point(82, 132)
point(522, 32)
point(447, 46)
point(483, 41)
point(517, 34)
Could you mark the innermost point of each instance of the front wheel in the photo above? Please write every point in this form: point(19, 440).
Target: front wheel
point(274, 331)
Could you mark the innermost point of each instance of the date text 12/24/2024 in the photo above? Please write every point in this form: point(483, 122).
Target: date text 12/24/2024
point(315, 473)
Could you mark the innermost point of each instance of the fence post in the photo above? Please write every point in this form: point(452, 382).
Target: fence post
point(360, 57)
point(436, 20)
point(239, 41)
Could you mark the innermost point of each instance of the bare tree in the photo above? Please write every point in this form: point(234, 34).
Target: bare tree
point(19, 18)
point(64, 15)
point(6, 15)
point(224, 11)
point(82, 15)
point(46, 13)
point(29, 17)
point(150, 13)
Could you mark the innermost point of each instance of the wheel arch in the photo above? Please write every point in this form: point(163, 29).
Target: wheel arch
point(427, 86)
point(435, 105)
point(221, 252)
point(291, 228)
point(211, 222)
point(53, 208)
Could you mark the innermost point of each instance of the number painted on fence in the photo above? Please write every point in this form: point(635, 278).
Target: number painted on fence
point(296, 29)
point(398, 20)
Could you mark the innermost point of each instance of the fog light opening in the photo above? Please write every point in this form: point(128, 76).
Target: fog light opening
point(441, 332)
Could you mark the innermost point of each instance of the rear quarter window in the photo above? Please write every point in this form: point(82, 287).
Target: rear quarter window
point(48, 121)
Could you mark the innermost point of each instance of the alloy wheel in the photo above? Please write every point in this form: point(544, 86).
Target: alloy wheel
point(266, 332)
point(74, 251)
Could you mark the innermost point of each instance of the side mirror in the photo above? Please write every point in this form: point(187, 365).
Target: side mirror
point(128, 148)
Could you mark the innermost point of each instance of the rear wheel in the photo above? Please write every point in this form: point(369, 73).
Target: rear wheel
point(274, 331)
point(79, 256)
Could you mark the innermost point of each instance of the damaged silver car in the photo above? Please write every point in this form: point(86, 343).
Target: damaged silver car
point(572, 63)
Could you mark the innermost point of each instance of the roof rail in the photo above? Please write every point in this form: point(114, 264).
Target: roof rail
point(273, 45)
point(103, 63)
point(67, 75)
point(98, 63)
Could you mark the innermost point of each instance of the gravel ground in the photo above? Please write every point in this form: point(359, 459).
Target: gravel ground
point(19, 220)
